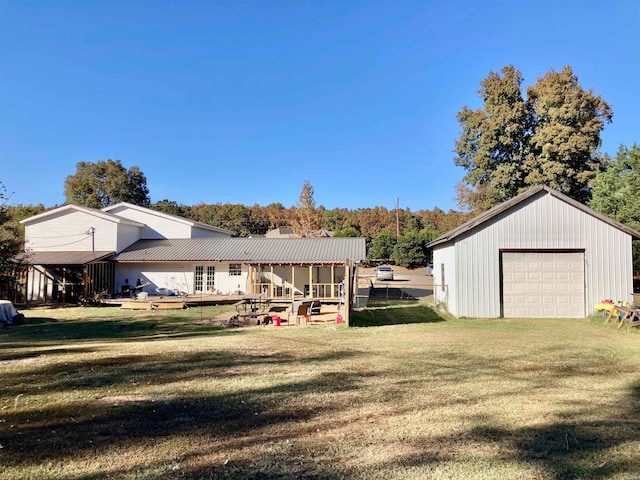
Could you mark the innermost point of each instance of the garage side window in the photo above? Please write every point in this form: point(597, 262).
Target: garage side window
point(442, 274)
point(235, 269)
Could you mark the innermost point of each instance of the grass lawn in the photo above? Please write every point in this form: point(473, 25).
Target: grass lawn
point(103, 393)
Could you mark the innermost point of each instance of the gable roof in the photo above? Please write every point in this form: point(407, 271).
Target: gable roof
point(248, 250)
point(79, 208)
point(509, 204)
point(169, 216)
point(281, 232)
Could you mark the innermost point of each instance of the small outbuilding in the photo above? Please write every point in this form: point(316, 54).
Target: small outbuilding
point(539, 255)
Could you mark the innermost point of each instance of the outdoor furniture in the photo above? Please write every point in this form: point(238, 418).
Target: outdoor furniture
point(300, 310)
point(628, 315)
point(7, 312)
point(315, 307)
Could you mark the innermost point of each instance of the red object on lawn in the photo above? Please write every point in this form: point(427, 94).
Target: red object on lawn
point(276, 321)
point(339, 319)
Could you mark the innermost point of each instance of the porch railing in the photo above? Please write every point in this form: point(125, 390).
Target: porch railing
point(319, 290)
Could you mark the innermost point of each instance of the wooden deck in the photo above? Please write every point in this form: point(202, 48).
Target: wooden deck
point(164, 301)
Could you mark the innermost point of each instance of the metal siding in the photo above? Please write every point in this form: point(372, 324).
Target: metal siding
point(445, 254)
point(540, 222)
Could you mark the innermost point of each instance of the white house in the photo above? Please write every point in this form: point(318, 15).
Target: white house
point(538, 255)
point(67, 249)
point(75, 251)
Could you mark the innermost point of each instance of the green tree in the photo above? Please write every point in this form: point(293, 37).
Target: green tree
point(382, 246)
point(11, 241)
point(410, 250)
point(172, 208)
point(336, 219)
point(105, 183)
point(512, 144)
point(348, 232)
point(615, 192)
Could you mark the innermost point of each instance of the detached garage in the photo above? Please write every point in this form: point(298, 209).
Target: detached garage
point(538, 255)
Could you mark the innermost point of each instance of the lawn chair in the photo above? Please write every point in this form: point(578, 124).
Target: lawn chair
point(300, 310)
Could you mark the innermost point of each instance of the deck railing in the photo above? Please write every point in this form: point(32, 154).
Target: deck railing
point(319, 290)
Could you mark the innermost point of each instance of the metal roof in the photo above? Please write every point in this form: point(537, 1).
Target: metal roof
point(498, 209)
point(62, 258)
point(247, 250)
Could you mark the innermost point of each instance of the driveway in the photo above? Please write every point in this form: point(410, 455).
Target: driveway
point(412, 282)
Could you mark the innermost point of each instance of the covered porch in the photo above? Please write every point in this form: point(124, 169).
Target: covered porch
point(295, 281)
point(63, 277)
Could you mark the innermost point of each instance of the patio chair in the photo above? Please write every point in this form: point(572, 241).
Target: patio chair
point(300, 310)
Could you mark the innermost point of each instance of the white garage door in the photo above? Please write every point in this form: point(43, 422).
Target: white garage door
point(543, 284)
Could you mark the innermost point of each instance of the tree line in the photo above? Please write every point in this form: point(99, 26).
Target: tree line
point(107, 182)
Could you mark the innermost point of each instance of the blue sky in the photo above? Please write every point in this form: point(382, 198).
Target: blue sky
point(241, 101)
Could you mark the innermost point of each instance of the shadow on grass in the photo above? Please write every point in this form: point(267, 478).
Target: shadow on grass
point(379, 294)
point(563, 450)
point(397, 315)
point(236, 420)
point(244, 433)
point(41, 331)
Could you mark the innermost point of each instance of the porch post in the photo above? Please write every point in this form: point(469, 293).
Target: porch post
point(271, 295)
point(250, 275)
point(333, 281)
point(293, 282)
point(348, 286)
point(64, 284)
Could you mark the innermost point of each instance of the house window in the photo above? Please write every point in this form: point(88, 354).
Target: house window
point(442, 274)
point(235, 269)
point(198, 278)
point(211, 276)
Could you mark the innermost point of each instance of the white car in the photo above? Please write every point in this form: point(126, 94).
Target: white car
point(384, 272)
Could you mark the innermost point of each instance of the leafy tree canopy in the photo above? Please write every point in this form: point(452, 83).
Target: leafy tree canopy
point(382, 246)
point(11, 242)
point(348, 232)
point(511, 144)
point(105, 183)
point(615, 191)
point(172, 208)
point(410, 250)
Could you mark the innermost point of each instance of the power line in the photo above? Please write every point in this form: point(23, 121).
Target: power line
point(65, 244)
point(59, 236)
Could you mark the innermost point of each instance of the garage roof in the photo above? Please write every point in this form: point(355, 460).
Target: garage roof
point(247, 250)
point(498, 209)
